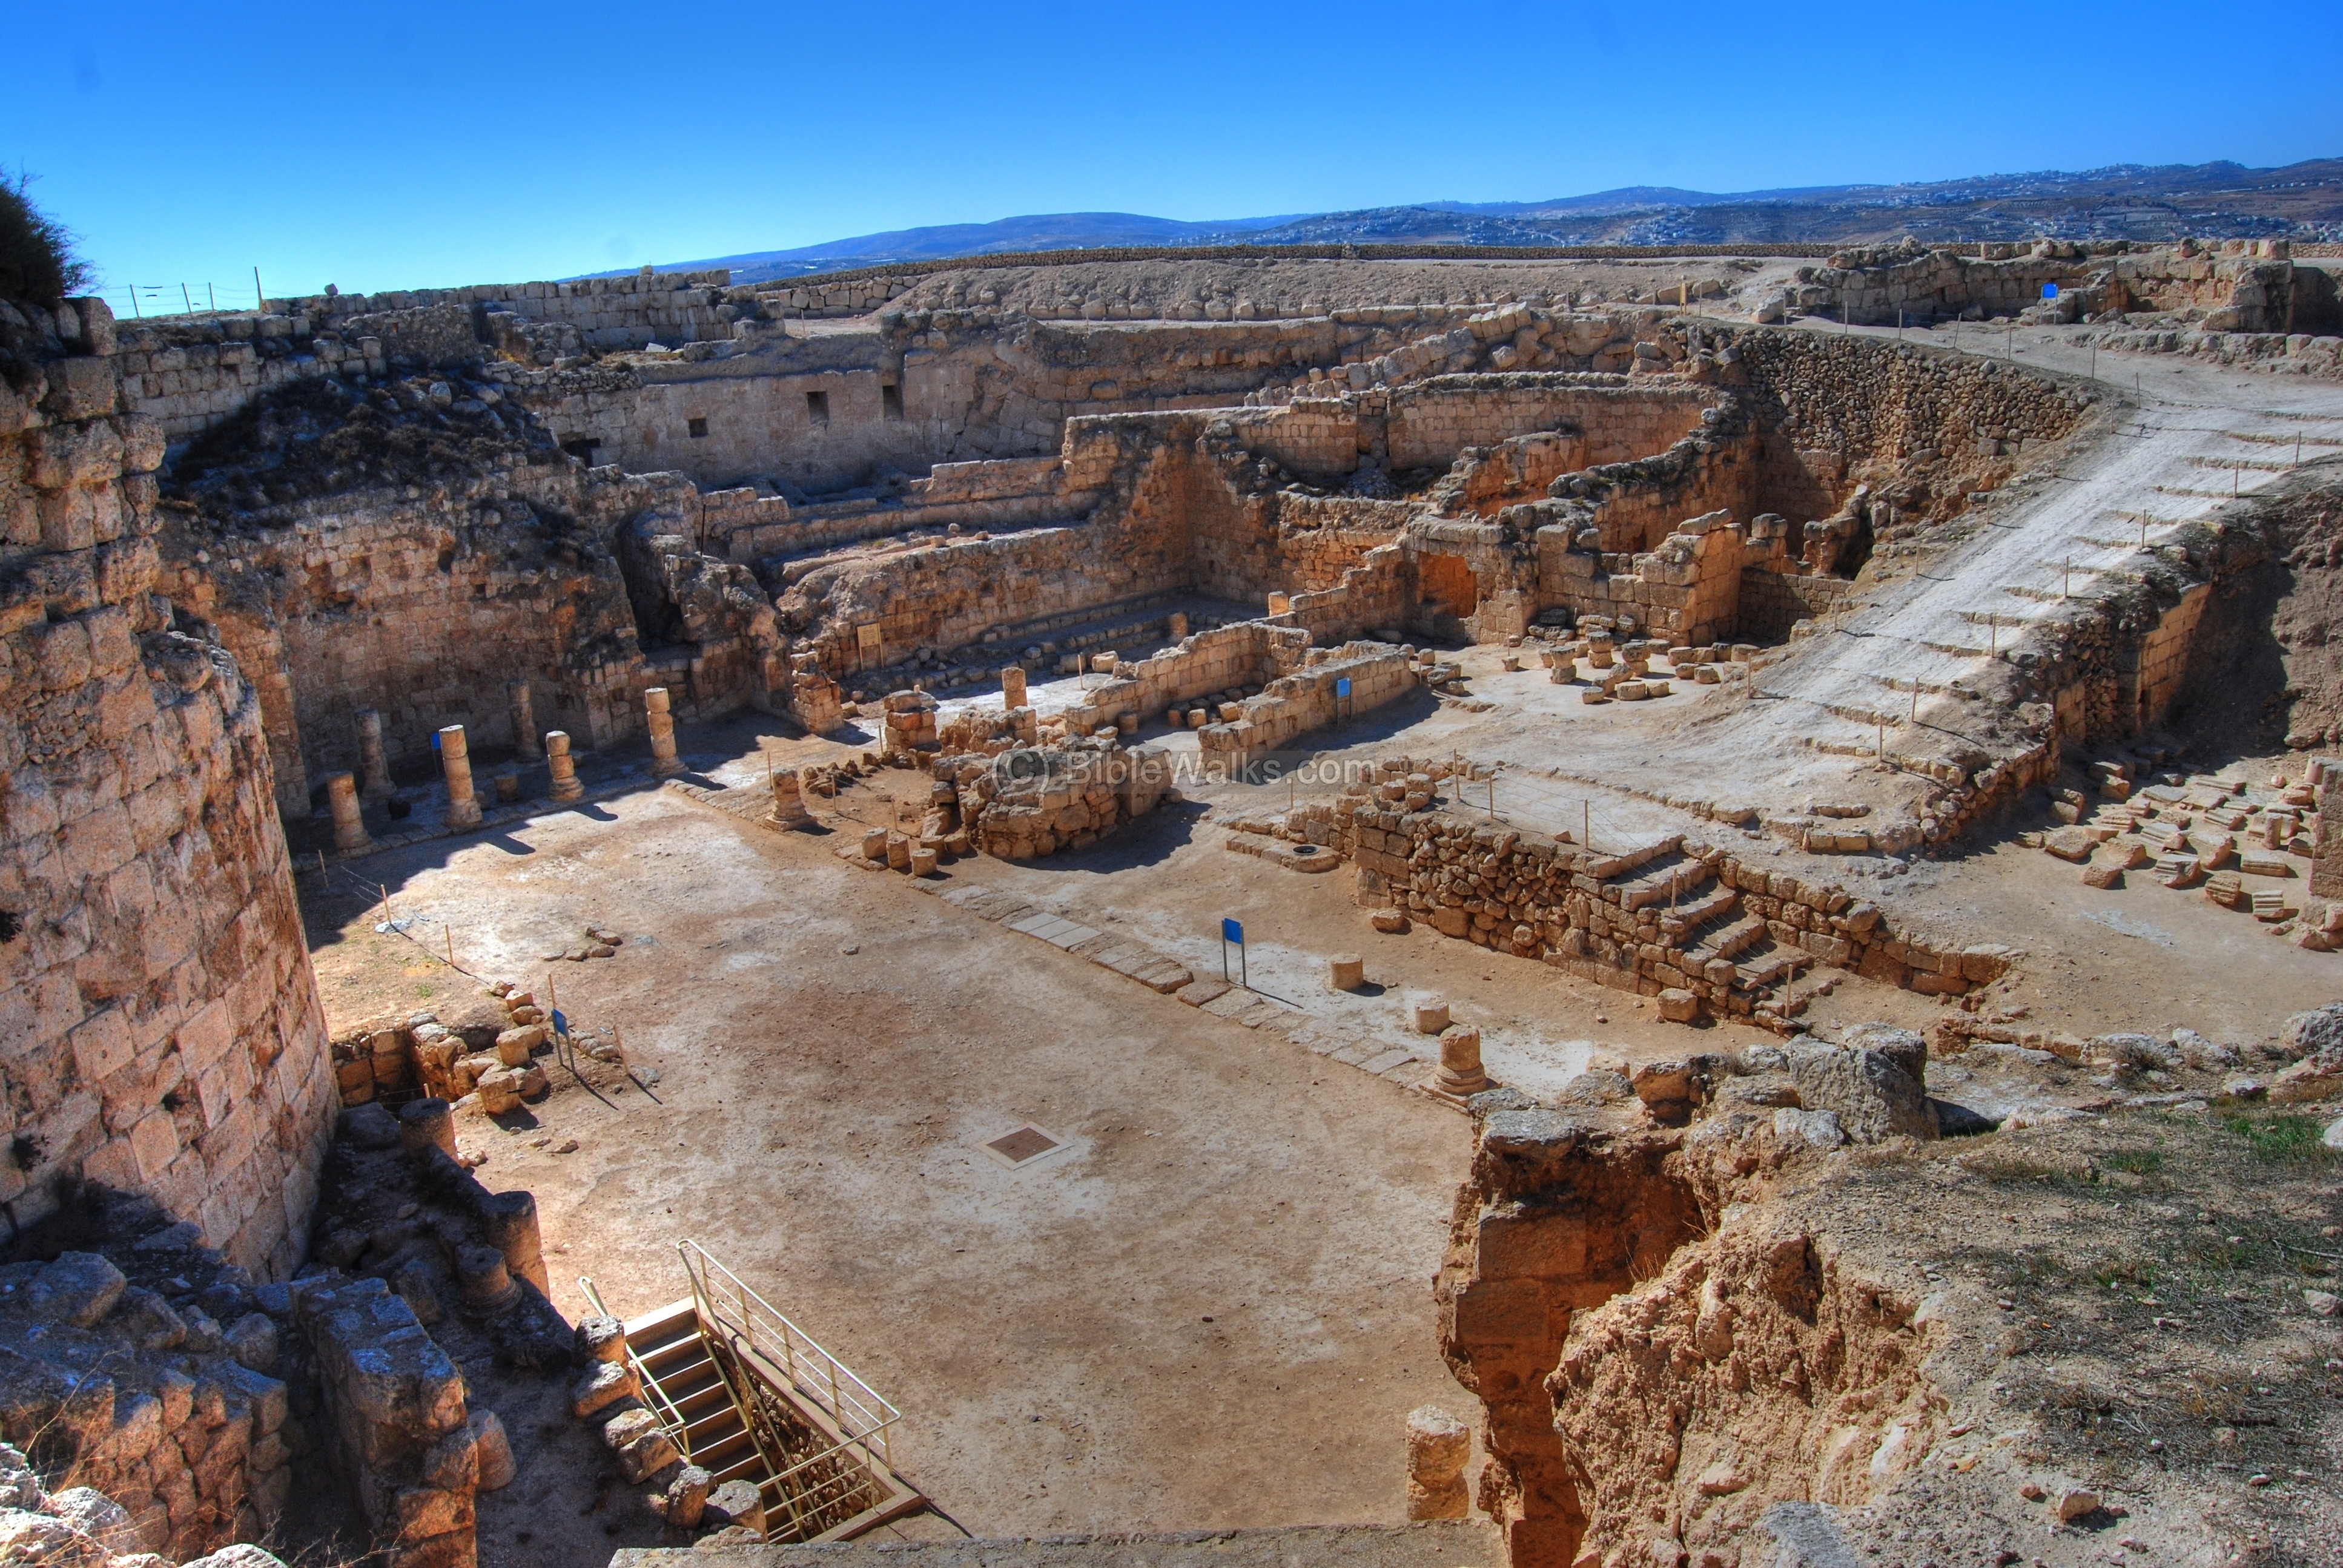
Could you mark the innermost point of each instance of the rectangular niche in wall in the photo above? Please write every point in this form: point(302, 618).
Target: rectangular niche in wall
point(697, 428)
point(890, 403)
point(818, 409)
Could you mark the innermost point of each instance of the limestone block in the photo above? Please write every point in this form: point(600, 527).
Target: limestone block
point(606, 1384)
point(1438, 1445)
point(601, 1339)
point(515, 1046)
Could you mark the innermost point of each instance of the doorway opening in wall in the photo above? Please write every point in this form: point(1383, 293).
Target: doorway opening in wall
point(890, 403)
point(695, 428)
point(582, 448)
point(1448, 585)
point(818, 409)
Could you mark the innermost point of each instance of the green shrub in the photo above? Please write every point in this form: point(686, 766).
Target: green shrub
point(36, 251)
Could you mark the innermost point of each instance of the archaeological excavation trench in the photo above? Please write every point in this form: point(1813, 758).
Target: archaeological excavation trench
point(1676, 661)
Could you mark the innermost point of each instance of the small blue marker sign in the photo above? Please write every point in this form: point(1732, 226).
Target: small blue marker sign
point(2049, 291)
point(561, 1024)
point(1233, 931)
point(1343, 687)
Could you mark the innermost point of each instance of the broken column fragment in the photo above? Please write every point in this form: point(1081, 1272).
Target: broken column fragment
point(665, 763)
point(374, 770)
point(349, 829)
point(456, 762)
point(564, 770)
point(524, 719)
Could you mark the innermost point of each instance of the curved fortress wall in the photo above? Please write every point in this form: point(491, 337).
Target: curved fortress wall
point(160, 1030)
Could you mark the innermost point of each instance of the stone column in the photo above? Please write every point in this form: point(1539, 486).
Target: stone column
point(1459, 1062)
point(1012, 686)
point(565, 772)
point(1179, 625)
point(510, 1220)
point(455, 761)
point(376, 783)
point(425, 1123)
point(1438, 1445)
point(349, 829)
point(789, 799)
point(524, 719)
point(665, 763)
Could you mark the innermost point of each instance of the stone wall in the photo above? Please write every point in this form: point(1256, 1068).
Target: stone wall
point(2241, 285)
point(163, 1026)
point(1433, 421)
point(1689, 927)
point(144, 1365)
point(1772, 602)
point(423, 607)
point(187, 376)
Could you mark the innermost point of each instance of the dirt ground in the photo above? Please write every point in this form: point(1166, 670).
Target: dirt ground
point(1224, 1277)
point(1212, 1310)
point(2132, 1299)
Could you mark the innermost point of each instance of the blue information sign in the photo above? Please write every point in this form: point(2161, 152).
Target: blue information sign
point(561, 1024)
point(2049, 291)
point(1343, 687)
point(1232, 931)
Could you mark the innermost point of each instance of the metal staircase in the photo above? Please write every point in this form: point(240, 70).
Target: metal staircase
point(746, 1394)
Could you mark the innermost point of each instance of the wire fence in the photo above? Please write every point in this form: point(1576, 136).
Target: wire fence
point(142, 301)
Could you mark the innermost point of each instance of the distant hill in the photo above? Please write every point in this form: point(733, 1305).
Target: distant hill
point(2126, 201)
point(1044, 231)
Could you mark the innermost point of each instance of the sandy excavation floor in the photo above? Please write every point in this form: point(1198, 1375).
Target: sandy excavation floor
point(1229, 1267)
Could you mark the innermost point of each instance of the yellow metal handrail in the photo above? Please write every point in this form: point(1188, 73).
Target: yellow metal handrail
point(860, 1412)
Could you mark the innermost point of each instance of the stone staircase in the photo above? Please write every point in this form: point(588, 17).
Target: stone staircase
point(1701, 920)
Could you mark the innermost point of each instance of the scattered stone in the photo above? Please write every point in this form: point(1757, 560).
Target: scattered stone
point(642, 1445)
point(609, 1382)
point(687, 1497)
point(738, 1504)
point(77, 1288)
point(601, 1339)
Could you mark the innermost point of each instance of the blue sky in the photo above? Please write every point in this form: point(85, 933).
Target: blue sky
point(378, 146)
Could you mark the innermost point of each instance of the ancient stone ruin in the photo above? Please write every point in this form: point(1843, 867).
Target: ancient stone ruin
point(1660, 694)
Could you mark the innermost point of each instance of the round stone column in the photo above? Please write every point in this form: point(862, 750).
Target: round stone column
point(665, 763)
point(524, 719)
point(456, 762)
point(374, 771)
point(349, 829)
point(565, 772)
point(1459, 1062)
